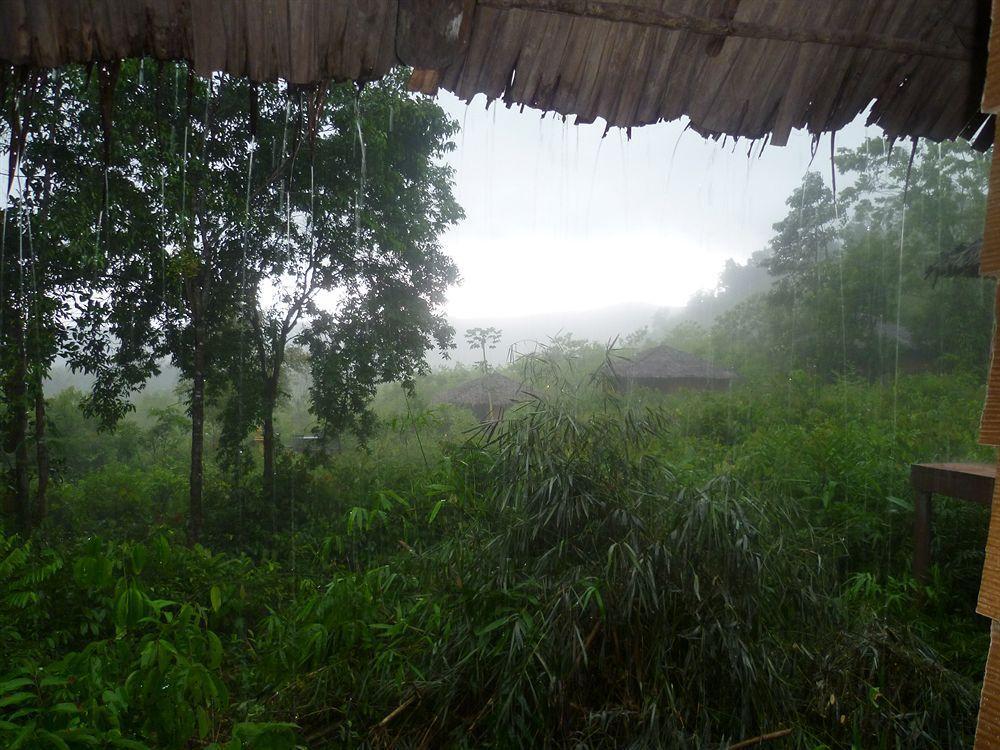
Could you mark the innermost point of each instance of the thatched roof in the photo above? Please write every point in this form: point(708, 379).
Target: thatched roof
point(961, 261)
point(748, 68)
point(666, 363)
point(495, 389)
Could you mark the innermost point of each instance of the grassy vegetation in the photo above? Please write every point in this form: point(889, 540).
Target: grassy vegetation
point(596, 571)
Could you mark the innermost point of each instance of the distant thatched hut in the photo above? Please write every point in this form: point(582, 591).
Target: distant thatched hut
point(485, 396)
point(666, 369)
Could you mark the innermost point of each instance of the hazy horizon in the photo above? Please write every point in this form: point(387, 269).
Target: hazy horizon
point(545, 201)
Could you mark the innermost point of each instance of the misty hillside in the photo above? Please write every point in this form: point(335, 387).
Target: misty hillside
point(526, 333)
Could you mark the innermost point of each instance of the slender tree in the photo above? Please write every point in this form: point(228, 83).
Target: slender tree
point(483, 339)
point(355, 252)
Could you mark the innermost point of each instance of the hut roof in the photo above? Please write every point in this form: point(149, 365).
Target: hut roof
point(958, 262)
point(667, 363)
point(745, 68)
point(493, 388)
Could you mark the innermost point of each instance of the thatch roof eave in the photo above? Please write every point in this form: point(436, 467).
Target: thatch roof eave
point(753, 69)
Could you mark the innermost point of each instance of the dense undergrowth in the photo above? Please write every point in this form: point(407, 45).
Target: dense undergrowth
point(594, 571)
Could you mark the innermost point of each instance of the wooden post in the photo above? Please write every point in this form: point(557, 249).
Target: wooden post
point(922, 537)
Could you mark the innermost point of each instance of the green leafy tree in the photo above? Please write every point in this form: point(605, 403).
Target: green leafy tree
point(353, 263)
point(850, 294)
point(63, 242)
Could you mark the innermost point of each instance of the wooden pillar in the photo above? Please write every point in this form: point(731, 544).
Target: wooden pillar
point(922, 536)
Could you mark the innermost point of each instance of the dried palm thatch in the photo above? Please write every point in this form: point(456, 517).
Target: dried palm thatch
point(486, 396)
point(744, 68)
point(961, 261)
point(668, 369)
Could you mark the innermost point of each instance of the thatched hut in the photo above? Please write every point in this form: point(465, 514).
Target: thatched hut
point(959, 262)
point(486, 397)
point(666, 369)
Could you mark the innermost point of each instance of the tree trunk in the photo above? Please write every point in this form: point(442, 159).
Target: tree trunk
point(195, 515)
point(41, 458)
point(269, 444)
point(16, 500)
point(269, 450)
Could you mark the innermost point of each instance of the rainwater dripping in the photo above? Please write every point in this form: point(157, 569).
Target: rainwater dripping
point(576, 169)
point(184, 162)
point(163, 243)
point(251, 149)
point(673, 157)
point(20, 250)
point(626, 198)
point(360, 198)
point(840, 257)
point(593, 181)
point(3, 256)
point(537, 167)
point(35, 297)
point(490, 161)
point(899, 289)
point(568, 167)
point(461, 142)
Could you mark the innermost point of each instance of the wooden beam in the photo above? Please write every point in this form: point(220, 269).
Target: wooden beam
point(622, 12)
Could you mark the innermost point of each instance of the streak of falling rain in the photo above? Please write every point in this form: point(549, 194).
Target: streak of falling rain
point(3, 253)
point(173, 134)
point(564, 183)
point(626, 198)
point(593, 181)
point(673, 156)
point(537, 166)
point(576, 169)
point(491, 144)
point(251, 149)
point(360, 199)
point(705, 194)
point(461, 142)
point(284, 143)
point(20, 248)
point(34, 294)
point(747, 181)
point(899, 290)
point(163, 242)
point(840, 259)
point(184, 163)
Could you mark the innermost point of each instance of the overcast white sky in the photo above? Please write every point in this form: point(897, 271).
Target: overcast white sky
point(558, 219)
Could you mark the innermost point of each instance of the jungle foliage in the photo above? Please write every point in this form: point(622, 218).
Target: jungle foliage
point(595, 569)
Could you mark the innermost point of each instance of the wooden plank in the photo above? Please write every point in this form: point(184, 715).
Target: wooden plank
point(972, 482)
